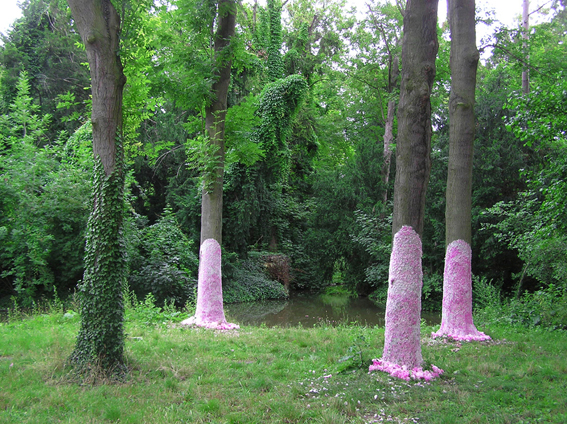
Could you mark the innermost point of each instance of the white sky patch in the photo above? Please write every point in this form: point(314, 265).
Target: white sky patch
point(9, 12)
point(508, 12)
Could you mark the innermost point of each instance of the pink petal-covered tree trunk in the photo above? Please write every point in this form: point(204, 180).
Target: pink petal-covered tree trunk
point(403, 307)
point(402, 347)
point(457, 320)
point(210, 309)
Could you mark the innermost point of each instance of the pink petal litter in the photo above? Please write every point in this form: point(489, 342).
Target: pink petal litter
point(405, 373)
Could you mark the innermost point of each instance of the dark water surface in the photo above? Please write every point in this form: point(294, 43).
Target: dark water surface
point(310, 310)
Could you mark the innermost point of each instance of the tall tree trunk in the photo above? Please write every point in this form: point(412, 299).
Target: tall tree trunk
point(525, 36)
point(457, 319)
point(215, 115)
point(275, 64)
point(413, 163)
point(210, 311)
point(100, 341)
point(413, 150)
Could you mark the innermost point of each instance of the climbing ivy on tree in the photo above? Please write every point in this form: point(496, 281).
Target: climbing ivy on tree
point(275, 64)
point(100, 342)
point(278, 105)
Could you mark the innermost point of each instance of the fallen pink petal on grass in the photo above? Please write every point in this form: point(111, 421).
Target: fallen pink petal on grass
point(403, 372)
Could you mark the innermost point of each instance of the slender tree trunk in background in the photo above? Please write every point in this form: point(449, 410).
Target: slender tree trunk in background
point(275, 64)
point(393, 74)
point(388, 139)
point(525, 36)
point(457, 319)
point(100, 341)
point(210, 311)
point(413, 163)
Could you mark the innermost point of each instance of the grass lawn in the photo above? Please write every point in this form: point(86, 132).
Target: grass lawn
point(280, 375)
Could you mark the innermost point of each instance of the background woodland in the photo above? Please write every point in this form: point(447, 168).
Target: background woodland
point(306, 214)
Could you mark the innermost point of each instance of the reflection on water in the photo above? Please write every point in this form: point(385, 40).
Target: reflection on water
point(311, 310)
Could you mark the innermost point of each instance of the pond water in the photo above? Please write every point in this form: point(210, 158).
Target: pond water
point(310, 310)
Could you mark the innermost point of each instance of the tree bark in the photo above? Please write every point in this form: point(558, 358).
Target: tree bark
point(413, 163)
point(457, 321)
point(464, 61)
point(101, 338)
point(99, 27)
point(413, 150)
point(211, 207)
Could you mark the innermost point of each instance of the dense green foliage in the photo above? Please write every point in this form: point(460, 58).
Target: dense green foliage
point(161, 262)
point(42, 44)
point(304, 153)
point(44, 194)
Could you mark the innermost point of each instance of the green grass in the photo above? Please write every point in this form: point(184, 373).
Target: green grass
point(262, 375)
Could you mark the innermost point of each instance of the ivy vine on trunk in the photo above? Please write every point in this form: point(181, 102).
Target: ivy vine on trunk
point(100, 343)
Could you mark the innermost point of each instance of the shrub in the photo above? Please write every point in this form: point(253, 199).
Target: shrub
point(249, 281)
point(148, 313)
point(545, 308)
point(44, 206)
point(161, 262)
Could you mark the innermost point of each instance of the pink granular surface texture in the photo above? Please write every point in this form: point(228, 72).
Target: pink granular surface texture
point(403, 372)
point(457, 319)
point(210, 309)
point(403, 306)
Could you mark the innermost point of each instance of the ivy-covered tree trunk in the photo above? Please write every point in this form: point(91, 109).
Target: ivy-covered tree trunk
point(210, 311)
point(100, 342)
point(457, 321)
point(275, 64)
point(402, 348)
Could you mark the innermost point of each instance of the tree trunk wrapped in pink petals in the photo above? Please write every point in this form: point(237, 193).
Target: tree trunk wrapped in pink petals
point(402, 348)
point(403, 307)
point(210, 309)
point(457, 321)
